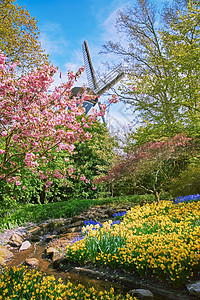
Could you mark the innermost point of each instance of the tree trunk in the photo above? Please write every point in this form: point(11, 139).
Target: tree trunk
point(157, 197)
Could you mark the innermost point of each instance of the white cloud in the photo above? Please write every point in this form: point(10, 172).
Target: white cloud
point(108, 26)
point(52, 38)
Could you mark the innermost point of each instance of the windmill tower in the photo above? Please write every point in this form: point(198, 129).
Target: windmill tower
point(98, 86)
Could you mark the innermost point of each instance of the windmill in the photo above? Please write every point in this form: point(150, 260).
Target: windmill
point(100, 86)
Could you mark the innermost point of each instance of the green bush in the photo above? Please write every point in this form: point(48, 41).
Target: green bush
point(187, 183)
point(25, 213)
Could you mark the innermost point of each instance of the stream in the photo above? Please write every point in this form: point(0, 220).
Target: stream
point(37, 251)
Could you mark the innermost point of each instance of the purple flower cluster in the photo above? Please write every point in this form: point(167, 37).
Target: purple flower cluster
point(78, 238)
point(115, 222)
point(187, 199)
point(119, 214)
point(92, 222)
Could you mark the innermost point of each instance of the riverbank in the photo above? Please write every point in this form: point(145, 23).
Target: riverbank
point(56, 234)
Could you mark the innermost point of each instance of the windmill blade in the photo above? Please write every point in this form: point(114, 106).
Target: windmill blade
point(101, 86)
point(89, 67)
point(110, 79)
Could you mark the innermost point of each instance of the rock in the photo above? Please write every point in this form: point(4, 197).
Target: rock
point(50, 251)
point(15, 240)
point(50, 238)
point(56, 256)
point(142, 294)
point(35, 230)
point(76, 224)
point(32, 262)
point(35, 238)
point(60, 263)
point(2, 261)
point(60, 230)
point(194, 288)
point(109, 212)
point(25, 245)
point(4, 255)
point(56, 223)
point(77, 219)
point(74, 229)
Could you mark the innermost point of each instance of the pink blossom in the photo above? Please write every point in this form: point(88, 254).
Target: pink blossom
point(82, 177)
point(9, 180)
point(114, 99)
point(39, 121)
point(17, 182)
point(4, 133)
point(88, 135)
point(48, 184)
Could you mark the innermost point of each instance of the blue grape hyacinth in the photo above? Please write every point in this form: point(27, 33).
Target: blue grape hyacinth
point(187, 199)
point(119, 214)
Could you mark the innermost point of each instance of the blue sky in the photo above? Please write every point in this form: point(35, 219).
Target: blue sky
point(65, 24)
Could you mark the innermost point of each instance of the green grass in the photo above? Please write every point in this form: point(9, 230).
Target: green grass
point(25, 213)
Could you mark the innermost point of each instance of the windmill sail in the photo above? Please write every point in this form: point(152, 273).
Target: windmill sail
point(102, 85)
point(89, 67)
point(110, 79)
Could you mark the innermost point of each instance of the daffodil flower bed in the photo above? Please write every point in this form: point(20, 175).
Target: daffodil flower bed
point(162, 240)
point(25, 284)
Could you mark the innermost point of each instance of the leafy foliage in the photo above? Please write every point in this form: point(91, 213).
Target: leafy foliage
point(151, 166)
point(19, 36)
point(39, 131)
point(162, 55)
point(20, 214)
point(187, 183)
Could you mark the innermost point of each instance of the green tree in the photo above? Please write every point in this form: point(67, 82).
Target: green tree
point(182, 44)
point(187, 183)
point(163, 86)
point(19, 36)
point(90, 159)
point(152, 166)
point(93, 158)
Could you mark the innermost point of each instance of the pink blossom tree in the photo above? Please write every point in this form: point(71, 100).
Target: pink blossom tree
point(37, 125)
point(151, 166)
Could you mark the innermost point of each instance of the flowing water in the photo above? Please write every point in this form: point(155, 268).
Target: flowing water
point(37, 251)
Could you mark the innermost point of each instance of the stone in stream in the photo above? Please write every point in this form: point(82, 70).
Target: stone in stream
point(56, 256)
point(35, 230)
point(25, 245)
point(15, 240)
point(50, 252)
point(142, 294)
point(4, 255)
point(32, 262)
point(194, 288)
point(50, 237)
point(73, 229)
point(35, 233)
